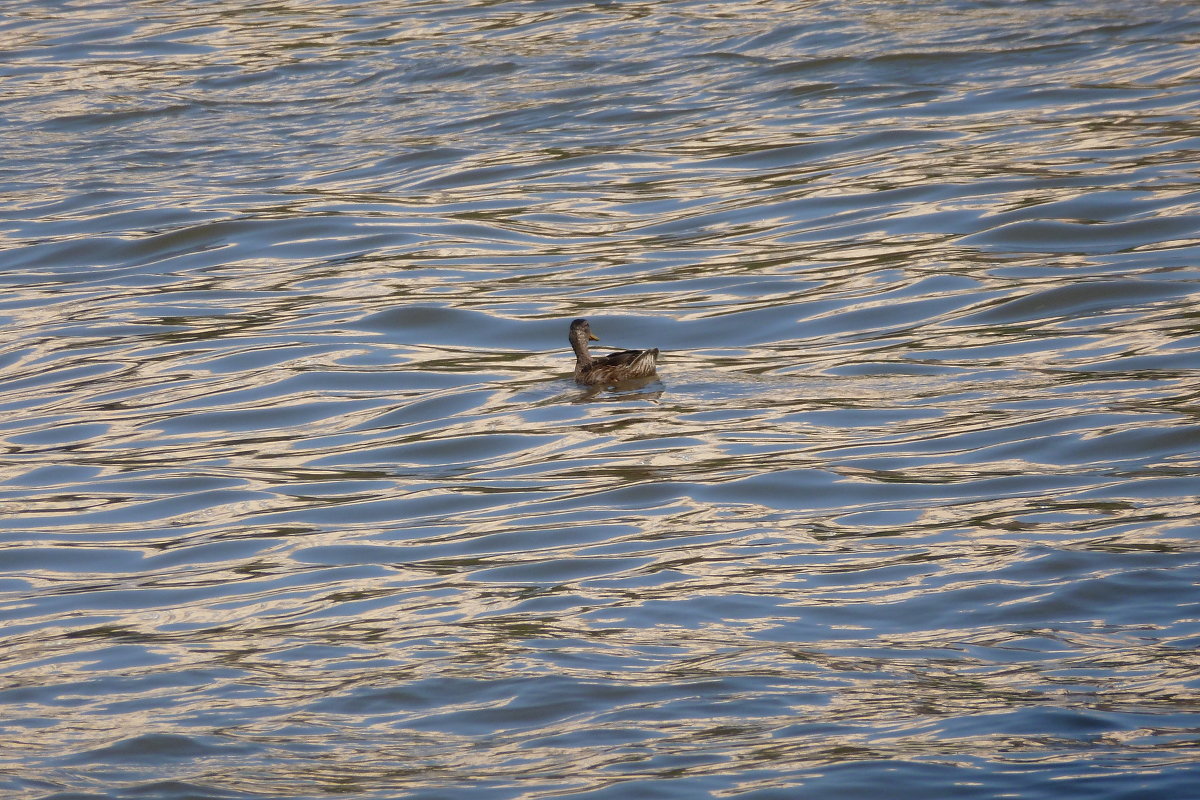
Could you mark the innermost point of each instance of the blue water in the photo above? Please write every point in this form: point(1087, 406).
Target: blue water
point(299, 500)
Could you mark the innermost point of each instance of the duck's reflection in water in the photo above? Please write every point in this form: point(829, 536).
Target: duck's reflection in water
point(647, 388)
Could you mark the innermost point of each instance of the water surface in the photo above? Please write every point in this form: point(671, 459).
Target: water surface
point(299, 500)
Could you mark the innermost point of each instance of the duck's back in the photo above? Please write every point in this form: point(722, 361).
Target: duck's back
point(620, 366)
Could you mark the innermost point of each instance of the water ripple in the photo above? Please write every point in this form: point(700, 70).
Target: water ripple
point(298, 499)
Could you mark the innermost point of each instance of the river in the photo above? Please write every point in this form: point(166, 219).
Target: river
point(299, 499)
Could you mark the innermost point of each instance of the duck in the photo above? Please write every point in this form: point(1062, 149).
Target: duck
point(612, 368)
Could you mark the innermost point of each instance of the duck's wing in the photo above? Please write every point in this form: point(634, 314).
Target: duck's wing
point(627, 358)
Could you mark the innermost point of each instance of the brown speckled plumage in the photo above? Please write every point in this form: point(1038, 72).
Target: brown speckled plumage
point(612, 368)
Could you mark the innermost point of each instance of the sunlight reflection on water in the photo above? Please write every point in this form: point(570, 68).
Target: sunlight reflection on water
point(299, 499)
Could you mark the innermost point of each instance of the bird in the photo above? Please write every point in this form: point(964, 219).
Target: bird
point(612, 368)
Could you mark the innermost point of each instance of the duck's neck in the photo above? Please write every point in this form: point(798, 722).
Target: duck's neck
point(580, 346)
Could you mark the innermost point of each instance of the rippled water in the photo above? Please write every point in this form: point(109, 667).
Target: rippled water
point(300, 501)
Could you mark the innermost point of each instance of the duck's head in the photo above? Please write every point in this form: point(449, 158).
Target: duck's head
point(582, 332)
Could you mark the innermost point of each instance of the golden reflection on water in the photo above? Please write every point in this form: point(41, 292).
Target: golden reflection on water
point(299, 498)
